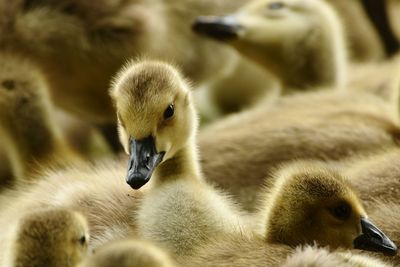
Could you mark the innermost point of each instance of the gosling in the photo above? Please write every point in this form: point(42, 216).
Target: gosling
point(179, 209)
point(48, 237)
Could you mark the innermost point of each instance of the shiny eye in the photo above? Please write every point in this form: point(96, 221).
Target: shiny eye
point(169, 112)
point(276, 5)
point(342, 211)
point(82, 240)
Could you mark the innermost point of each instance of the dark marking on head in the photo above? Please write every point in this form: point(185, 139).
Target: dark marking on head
point(320, 186)
point(148, 82)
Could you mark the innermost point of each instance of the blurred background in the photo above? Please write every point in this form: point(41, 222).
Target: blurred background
point(58, 57)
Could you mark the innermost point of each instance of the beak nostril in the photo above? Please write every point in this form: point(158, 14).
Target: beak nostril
point(377, 236)
point(8, 84)
point(147, 161)
point(130, 165)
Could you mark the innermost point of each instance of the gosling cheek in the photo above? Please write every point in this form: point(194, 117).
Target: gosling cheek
point(166, 147)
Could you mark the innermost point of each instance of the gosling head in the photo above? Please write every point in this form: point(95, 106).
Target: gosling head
point(26, 111)
point(266, 24)
point(155, 114)
point(24, 98)
point(273, 32)
point(311, 203)
point(127, 253)
point(52, 238)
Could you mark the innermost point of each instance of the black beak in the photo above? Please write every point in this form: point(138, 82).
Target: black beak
point(373, 239)
point(143, 159)
point(220, 28)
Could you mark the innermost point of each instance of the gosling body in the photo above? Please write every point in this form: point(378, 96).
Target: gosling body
point(325, 125)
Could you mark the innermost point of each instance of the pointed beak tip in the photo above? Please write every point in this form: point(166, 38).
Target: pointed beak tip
point(373, 239)
point(198, 22)
point(393, 252)
point(201, 21)
point(136, 186)
point(220, 28)
point(136, 181)
point(201, 25)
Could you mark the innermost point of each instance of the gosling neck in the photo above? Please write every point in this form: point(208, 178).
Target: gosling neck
point(317, 60)
point(323, 63)
point(37, 136)
point(183, 165)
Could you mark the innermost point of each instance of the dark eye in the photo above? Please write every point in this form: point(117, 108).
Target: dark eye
point(169, 112)
point(276, 5)
point(69, 9)
point(8, 84)
point(342, 211)
point(82, 240)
